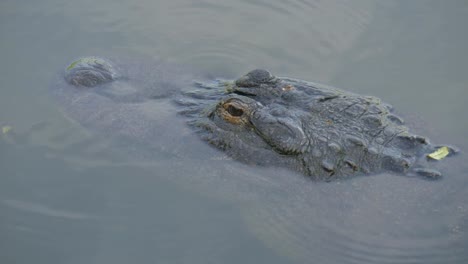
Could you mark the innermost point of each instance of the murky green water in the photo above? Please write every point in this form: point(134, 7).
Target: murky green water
point(66, 197)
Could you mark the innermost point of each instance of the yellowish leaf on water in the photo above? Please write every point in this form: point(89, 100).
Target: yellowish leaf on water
point(439, 153)
point(6, 129)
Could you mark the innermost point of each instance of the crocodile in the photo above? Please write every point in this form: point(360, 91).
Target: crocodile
point(261, 119)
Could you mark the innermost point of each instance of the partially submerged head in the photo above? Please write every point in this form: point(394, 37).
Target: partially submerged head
point(259, 118)
point(314, 129)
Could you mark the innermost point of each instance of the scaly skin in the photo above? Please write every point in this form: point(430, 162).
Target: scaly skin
point(320, 131)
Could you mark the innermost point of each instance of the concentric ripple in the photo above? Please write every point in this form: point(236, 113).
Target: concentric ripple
point(381, 219)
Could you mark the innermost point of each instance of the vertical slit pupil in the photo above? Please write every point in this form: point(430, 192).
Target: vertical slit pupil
point(234, 111)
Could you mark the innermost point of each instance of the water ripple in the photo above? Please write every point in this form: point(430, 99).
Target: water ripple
point(291, 27)
point(382, 219)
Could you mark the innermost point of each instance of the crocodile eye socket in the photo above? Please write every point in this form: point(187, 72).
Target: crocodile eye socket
point(234, 111)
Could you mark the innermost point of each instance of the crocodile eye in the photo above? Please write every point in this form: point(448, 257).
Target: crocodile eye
point(234, 111)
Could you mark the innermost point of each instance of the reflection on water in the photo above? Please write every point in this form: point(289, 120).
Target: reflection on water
point(67, 194)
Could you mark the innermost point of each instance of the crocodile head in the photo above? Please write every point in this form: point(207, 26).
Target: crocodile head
point(314, 129)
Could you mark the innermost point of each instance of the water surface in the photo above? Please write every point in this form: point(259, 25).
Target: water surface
point(67, 195)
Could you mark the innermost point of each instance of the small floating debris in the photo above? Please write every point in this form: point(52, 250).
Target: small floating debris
point(439, 153)
point(6, 129)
